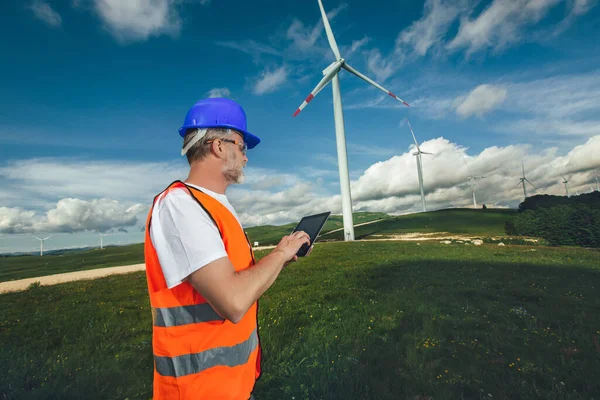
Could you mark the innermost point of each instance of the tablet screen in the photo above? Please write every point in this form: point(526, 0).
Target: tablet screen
point(312, 225)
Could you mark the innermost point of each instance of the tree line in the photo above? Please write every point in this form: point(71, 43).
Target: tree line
point(560, 220)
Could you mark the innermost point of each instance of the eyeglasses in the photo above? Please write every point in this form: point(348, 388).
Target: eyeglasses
point(243, 146)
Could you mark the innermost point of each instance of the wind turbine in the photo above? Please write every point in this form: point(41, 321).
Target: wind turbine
point(42, 243)
point(472, 179)
point(101, 237)
point(566, 182)
point(597, 185)
point(331, 75)
point(523, 180)
point(419, 167)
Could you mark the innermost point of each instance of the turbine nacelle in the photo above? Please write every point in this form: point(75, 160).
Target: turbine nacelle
point(336, 65)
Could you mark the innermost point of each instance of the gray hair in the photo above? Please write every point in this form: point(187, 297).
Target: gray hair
point(199, 150)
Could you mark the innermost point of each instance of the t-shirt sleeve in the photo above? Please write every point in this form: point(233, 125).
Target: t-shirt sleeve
point(184, 236)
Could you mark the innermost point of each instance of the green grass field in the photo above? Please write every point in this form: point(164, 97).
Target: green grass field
point(21, 267)
point(466, 221)
point(370, 320)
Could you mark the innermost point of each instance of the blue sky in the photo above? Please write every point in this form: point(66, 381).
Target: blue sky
point(93, 93)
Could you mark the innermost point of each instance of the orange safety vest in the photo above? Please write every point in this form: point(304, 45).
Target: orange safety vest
point(197, 353)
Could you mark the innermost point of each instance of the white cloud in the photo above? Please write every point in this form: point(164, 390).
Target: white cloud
point(46, 13)
point(108, 195)
point(218, 92)
point(251, 47)
point(304, 38)
point(501, 24)
point(419, 38)
point(480, 101)
point(130, 21)
point(447, 186)
point(561, 105)
point(381, 67)
point(42, 182)
point(423, 34)
point(357, 44)
point(71, 215)
point(270, 80)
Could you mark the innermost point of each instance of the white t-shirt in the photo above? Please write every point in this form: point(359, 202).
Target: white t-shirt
point(184, 236)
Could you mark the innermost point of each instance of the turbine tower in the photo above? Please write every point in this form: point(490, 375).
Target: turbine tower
point(331, 75)
point(42, 243)
point(419, 167)
point(523, 180)
point(566, 182)
point(101, 237)
point(597, 185)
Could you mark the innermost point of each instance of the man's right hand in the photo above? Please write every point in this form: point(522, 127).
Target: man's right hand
point(289, 245)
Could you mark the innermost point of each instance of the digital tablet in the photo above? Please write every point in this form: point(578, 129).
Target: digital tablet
point(312, 225)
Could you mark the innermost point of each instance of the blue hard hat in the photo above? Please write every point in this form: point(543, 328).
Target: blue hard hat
point(218, 113)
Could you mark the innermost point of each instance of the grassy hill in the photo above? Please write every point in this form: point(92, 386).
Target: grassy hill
point(362, 320)
point(269, 234)
point(488, 222)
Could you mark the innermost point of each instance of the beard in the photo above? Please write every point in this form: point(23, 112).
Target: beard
point(233, 171)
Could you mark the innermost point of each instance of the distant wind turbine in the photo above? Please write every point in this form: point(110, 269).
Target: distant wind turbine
point(331, 75)
point(472, 179)
point(523, 180)
point(419, 167)
point(566, 182)
point(42, 243)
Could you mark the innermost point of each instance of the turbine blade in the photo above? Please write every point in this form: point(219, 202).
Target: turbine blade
point(413, 135)
point(37, 237)
point(372, 82)
point(466, 165)
point(530, 183)
point(520, 181)
point(48, 237)
point(523, 167)
point(326, 79)
point(329, 33)
point(431, 154)
point(563, 177)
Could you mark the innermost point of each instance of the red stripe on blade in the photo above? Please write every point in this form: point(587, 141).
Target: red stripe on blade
point(309, 98)
point(296, 113)
point(406, 104)
point(392, 94)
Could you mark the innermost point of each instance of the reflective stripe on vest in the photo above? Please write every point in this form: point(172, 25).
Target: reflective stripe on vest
point(219, 356)
point(184, 315)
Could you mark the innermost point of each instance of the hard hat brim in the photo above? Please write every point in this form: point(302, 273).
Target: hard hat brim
point(250, 139)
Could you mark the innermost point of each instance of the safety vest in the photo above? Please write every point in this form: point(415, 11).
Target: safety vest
point(197, 353)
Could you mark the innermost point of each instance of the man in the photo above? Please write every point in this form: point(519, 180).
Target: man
point(203, 281)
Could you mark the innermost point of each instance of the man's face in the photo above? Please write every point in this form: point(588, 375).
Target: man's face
point(233, 170)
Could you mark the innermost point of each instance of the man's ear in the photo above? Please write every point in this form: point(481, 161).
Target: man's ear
point(217, 148)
